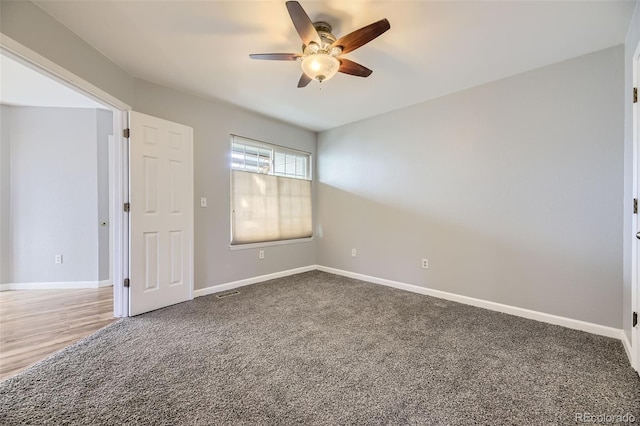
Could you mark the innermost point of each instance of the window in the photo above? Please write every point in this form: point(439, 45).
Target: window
point(270, 192)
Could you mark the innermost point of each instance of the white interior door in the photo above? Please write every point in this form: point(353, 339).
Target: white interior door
point(161, 216)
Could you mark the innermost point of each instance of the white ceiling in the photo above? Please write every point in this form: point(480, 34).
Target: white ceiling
point(432, 49)
point(21, 85)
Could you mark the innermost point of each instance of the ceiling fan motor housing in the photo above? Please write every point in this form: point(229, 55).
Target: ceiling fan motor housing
point(324, 30)
point(326, 37)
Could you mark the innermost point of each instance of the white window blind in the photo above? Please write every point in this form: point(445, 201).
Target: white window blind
point(270, 193)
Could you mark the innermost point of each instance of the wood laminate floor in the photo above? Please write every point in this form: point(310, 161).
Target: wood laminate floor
point(37, 323)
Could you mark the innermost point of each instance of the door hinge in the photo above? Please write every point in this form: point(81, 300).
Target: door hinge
point(635, 96)
point(127, 282)
point(635, 206)
point(125, 133)
point(127, 207)
point(635, 319)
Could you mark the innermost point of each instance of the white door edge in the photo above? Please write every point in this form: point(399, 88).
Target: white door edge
point(635, 278)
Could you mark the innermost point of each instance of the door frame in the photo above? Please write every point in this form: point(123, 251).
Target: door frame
point(635, 246)
point(118, 161)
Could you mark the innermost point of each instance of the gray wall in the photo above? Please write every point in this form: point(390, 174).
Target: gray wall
point(54, 194)
point(510, 182)
point(631, 43)
point(104, 123)
point(29, 25)
point(512, 190)
point(213, 122)
point(5, 175)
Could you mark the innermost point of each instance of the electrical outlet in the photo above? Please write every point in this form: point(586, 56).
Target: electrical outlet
point(203, 202)
point(425, 263)
point(261, 254)
point(353, 252)
point(58, 259)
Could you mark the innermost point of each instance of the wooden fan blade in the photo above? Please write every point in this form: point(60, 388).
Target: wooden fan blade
point(362, 36)
point(275, 56)
point(304, 80)
point(303, 24)
point(353, 68)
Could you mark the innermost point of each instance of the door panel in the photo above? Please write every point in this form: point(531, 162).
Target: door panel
point(161, 218)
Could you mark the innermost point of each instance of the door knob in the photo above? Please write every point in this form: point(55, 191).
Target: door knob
point(638, 235)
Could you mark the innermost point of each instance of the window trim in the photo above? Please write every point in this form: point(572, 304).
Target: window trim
point(235, 247)
point(267, 145)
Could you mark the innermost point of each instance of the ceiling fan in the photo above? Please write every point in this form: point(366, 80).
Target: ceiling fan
point(321, 52)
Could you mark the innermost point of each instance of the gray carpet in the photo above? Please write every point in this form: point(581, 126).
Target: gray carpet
point(316, 348)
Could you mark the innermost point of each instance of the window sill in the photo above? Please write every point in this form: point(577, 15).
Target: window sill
point(269, 244)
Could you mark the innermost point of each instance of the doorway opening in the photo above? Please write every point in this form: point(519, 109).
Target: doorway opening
point(63, 234)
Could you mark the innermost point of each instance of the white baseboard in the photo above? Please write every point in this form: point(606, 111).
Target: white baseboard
point(493, 306)
point(627, 348)
point(55, 285)
point(241, 283)
point(574, 324)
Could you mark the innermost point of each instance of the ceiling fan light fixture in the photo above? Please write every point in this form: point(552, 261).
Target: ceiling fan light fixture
point(320, 67)
point(312, 48)
point(321, 49)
